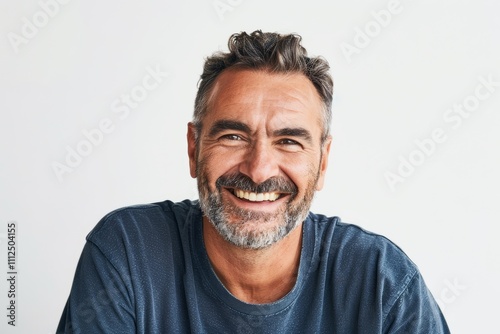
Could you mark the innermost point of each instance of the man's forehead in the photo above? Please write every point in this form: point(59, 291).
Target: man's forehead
point(246, 93)
point(236, 82)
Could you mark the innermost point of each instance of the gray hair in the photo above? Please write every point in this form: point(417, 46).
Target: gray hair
point(270, 52)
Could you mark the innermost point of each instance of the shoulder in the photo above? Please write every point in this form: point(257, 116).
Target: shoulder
point(371, 279)
point(142, 221)
point(345, 240)
point(367, 262)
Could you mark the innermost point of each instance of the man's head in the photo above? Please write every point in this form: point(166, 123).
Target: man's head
point(259, 140)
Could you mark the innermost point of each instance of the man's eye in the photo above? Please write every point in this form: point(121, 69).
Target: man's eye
point(287, 141)
point(231, 137)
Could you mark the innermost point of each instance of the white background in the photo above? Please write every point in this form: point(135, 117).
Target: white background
point(395, 90)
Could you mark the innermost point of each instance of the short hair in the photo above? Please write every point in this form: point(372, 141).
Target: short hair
point(270, 52)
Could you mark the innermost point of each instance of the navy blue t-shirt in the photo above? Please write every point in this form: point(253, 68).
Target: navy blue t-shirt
point(144, 269)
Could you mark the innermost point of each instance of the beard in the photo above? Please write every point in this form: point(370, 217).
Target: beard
point(249, 228)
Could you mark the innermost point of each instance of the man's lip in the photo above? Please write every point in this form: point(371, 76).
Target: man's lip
point(250, 196)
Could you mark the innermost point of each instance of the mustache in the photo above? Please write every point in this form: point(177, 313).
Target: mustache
point(243, 182)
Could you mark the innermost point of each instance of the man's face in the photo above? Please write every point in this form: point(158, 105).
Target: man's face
point(259, 159)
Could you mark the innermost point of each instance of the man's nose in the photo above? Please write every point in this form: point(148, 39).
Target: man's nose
point(260, 163)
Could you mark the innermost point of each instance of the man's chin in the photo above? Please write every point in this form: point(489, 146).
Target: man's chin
point(258, 233)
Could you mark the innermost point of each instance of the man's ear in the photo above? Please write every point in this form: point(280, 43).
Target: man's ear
point(191, 141)
point(323, 164)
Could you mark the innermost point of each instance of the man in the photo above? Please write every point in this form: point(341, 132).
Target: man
point(248, 257)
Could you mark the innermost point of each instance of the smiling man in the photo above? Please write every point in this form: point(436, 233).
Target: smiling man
point(249, 257)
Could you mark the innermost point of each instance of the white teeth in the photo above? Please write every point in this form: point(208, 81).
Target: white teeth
point(256, 197)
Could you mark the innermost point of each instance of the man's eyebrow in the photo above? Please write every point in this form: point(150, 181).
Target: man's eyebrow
point(294, 132)
point(226, 124)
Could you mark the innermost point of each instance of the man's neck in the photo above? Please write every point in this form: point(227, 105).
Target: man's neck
point(255, 276)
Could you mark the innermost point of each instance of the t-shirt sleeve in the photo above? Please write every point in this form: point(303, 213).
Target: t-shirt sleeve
point(100, 300)
point(415, 312)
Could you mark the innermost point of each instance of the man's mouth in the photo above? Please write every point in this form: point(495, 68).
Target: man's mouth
point(256, 197)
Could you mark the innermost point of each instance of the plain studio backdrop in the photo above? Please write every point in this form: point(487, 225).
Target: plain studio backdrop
point(95, 98)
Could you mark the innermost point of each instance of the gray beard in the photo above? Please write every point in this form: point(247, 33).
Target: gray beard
point(232, 222)
point(235, 233)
